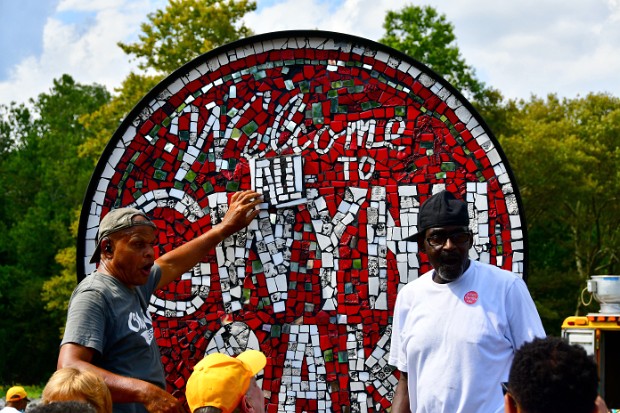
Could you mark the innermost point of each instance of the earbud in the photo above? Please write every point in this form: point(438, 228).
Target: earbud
point(108, 247)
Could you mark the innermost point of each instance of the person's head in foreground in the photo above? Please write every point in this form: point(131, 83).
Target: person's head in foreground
point(224, 384)
point(69, 384)
point(17, 398)
point(548, 375)
point(444, 235)
point(63, 407)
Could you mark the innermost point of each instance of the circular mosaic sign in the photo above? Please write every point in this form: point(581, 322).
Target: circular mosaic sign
point(345, 138)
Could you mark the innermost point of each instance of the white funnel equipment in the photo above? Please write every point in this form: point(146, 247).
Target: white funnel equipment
point(606, 290)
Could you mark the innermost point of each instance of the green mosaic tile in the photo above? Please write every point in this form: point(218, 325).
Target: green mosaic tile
point(257, 267)
point(190, 176)
point(448, 166)
point(207, 187)
point(250, 128)
point(232, 186)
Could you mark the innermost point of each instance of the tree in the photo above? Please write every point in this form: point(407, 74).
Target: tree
point(564, 154)
point(15, 121)
point(16, 186)
point(42, 181)
point(57, 290)
point(187, 29)
point(427, 36)
point(103, 122)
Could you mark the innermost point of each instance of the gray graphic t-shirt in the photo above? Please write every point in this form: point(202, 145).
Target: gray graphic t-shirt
point(113, 319)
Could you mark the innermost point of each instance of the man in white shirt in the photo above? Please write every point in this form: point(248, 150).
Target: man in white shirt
point(456, 328)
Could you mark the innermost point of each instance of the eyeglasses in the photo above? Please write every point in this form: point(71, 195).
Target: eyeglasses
point(439, 239)
point(505, 387)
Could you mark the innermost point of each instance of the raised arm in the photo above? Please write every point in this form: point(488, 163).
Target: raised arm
point(123, 389)
point(181, 259)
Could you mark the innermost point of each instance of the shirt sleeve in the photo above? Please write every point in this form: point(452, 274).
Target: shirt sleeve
point(86, 323)
point(397, 357)
point(523, 318)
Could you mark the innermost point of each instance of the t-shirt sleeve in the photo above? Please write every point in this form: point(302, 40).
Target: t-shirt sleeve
point(86, 320)
point(523, 318)
point(397, 356)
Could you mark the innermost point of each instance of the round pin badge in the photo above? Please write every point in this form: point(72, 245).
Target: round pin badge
point(471, 297)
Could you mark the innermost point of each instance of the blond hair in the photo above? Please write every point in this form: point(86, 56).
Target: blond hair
point(69, 384)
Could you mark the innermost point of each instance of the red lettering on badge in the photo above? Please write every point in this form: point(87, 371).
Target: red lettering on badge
point(471, 297)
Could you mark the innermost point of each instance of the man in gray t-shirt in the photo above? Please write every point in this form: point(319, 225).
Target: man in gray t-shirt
point(109, 329)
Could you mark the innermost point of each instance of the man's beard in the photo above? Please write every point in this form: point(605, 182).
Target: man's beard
point(451, 272)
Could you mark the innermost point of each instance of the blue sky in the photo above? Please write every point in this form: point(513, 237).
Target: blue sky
point(21, 30)
point(521, 47)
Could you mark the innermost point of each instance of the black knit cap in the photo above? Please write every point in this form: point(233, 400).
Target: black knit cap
point(441, 210)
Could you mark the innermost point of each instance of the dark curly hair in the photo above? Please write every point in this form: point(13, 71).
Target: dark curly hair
point(549, 375)
point(63, 407)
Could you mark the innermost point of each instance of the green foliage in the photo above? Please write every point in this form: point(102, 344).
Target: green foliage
point(427, 36)
point(495, 110)
point(187, 29)
point(102, 123)
point(15, 121)
point(564, 154)
point(57, 290)
point(42, 180)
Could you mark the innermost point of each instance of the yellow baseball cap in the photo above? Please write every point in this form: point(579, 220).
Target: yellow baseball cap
point(16, 393)
point(219, 380)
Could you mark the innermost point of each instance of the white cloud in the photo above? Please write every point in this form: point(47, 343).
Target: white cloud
point(284, 15)
point(567, 47)
point(87, 52)
point(92, 5)
point(614, 8)
point(358, 17)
